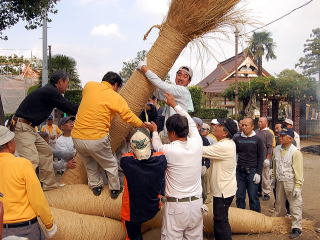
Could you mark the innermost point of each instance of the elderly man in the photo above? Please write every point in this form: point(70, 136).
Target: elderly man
point(267, 138)
point(180, 90)
point(99, 105)
point(289, 124)
point(21, 193)
point(182, 216)
point(288, 172)
point(251, 155)
point(223, 178)
point(33, 110)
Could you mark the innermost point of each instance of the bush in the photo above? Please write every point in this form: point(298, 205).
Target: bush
point(211, 113)
point(196, 95)
point(74, 96)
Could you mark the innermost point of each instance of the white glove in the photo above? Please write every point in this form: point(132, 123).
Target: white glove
point(296, 192)
point(203, 170)
point(52, 231)
point(266, 163)
point(256, 178)
point(204, 209)
point(142, 63)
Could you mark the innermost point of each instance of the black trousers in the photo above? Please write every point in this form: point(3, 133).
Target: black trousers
point(221, 226)
point(134, 230)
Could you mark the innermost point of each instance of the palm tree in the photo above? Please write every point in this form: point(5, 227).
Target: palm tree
point(68, 64)
point(261, 43)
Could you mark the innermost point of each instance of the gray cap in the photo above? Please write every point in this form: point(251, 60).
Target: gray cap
point(198, 121)
point(5, 135)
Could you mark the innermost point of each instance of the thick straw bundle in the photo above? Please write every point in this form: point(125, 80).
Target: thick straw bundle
point(79, 198)
point(73, 225)
point(186, 21)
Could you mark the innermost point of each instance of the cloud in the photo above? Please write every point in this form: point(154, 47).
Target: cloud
point(85, 2)
point(148, 7)
point(110, 30)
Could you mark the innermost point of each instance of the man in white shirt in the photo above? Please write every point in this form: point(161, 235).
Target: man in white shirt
point(65, 144)
point(223, 177)
point(179, 90)
point(182, 218)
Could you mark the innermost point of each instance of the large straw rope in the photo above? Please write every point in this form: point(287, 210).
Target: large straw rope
point(73, 225)
point(79, 198)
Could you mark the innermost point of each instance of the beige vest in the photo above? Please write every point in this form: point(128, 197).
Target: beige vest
point(284, 169)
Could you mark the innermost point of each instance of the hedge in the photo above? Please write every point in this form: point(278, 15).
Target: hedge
point(210, 113)
point(74, 96)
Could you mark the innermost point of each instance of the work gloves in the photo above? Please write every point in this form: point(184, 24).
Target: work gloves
point(142, 63)
point(266, 163)
point(256, 178)
point(51, 231)
point(296, 192)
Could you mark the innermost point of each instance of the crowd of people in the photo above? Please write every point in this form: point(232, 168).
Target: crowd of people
point(173, 161)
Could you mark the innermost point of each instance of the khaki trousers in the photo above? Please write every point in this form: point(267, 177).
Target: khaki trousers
point(33, 147)
point(182, 221)
point(284, 192)
point(266, 181)
point(207, 189)
point(97, 154)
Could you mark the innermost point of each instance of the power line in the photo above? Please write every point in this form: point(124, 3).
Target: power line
point(303, 5)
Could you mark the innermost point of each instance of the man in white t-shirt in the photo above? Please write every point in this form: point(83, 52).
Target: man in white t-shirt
point(65, 144)
point(182, 217)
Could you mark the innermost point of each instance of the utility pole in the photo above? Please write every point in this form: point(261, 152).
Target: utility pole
point(44, 51)
point(49, 60)
point(236, 100)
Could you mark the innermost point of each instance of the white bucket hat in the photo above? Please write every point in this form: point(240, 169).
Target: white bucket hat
point(5, 135)
point(141, 146)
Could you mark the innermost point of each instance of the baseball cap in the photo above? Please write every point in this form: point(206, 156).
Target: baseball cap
point(287, 131)
point(198, 121)
point(187, 69)
point(5, 135)
point(214, 121)
point(141, 146)
point(288, 121)
point(66, 119)
point(229, 124)
point(50, 117)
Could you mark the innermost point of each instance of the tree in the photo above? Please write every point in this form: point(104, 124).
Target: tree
point(310, 63)
point(129, 66)
point(68, 64)
point(261, 44)
point(30, 11)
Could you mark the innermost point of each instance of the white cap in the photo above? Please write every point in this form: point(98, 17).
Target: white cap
point(5, 135)
point(141, 146)
point(206, 126)
point(215, 121)
point(289, 121)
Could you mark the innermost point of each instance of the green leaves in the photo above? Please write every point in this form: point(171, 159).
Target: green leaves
point(30, 11)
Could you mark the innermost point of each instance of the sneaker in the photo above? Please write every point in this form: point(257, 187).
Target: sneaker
point(296, 232)
point(97, 190)
point(259, 194)
point(115, 193)
point(265, 197)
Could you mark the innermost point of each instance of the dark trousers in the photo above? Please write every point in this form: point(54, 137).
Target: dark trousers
point(32, 231)
point(134, 230)
point(222, 229)
point(246, 184)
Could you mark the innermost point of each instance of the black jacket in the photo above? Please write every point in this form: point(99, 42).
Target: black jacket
point(38, 105)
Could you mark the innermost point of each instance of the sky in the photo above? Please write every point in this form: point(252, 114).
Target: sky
point(101, 34)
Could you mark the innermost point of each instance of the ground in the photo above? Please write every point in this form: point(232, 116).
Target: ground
point(311, 198)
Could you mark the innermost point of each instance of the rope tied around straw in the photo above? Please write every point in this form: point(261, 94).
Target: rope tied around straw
point(150, 29)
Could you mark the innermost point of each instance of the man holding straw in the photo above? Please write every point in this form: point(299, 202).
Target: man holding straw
point(182, 211)
point(180, 90)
